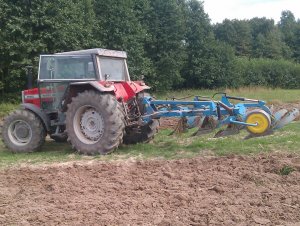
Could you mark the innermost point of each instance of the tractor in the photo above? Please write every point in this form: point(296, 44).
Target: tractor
point(86, 97)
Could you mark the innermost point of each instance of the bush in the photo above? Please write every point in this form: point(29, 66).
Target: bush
point(5, 108)
point(12, 98)
point(267, 72)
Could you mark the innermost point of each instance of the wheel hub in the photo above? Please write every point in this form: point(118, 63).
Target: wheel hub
point(20, 132)
point(92, 124)
point(262, 119)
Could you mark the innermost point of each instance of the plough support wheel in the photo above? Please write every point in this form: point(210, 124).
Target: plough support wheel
point(262, 119)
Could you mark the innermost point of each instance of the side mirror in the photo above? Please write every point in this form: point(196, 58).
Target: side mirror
point(142, 77)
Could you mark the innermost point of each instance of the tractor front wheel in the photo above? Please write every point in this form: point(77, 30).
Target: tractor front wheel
point(94, 123)
point(23, 131)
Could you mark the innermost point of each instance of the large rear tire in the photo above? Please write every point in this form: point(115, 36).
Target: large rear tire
point(22, 131)
point(94, 123)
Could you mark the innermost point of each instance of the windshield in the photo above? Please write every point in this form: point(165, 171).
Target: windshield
point(113, 69)
point(56, 67)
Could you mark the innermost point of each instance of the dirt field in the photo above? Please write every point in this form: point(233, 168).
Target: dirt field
point(232, 190)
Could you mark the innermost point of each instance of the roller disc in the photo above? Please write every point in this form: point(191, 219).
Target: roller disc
point(262, 119)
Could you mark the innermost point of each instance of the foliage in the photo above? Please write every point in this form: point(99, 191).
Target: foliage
point(258, 37)
point(5, 108)
point(267, 72)
point(236, 33)
point(270, 95)
point(165, 46)
point(209, 62)
point(286, 170)
point(290, 31)
point(120, 27)
point(29, 28)
point(171, 42)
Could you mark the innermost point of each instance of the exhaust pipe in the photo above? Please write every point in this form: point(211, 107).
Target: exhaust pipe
point(29, 77)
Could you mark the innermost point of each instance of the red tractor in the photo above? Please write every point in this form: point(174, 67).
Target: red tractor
point(85, 97)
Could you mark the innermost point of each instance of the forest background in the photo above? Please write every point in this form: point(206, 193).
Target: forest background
point(171, 42)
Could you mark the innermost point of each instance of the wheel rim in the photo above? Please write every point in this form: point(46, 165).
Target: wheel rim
point(19, 133)
point(88, 124)
point(263, 122)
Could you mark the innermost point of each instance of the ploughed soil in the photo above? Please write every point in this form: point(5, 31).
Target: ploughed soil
point(233, 190)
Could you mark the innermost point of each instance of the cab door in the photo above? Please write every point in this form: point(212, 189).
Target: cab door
point(56, 72)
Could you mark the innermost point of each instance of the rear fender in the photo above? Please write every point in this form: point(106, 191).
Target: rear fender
point(138, 86)
point(94, 84)
point(127, 90)
point(79, 87)
point(37, 111)
point(121, 90)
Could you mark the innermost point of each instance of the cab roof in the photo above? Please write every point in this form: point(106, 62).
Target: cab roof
point(97, 51)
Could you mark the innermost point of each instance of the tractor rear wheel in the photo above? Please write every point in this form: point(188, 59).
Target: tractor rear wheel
point(94, 123)
point(23, 131)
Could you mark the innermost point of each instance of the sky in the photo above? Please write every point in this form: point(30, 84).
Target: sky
point(218, 10)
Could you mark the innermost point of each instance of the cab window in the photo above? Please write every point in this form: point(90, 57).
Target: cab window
point(58, 67)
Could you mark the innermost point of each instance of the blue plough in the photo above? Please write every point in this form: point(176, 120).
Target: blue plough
point(208, 115)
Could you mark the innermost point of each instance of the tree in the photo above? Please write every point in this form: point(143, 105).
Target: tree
point(15, 43)
point(289, 28)
point(237, 33)
point(63, 25)
point(296, 54)
point(29, 28)
point(120, 28)
point(267, 40)
point(165, 45)
point(171, 42)
point(209, 61)
point(199, 38)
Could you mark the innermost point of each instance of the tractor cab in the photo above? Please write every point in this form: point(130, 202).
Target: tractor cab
point(93, 64)
point(57, 72)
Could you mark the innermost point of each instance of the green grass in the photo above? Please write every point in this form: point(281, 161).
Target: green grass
point(183, 146)
point(5, 108)
point(266, 94)
point(286, 170)
point(169, 147)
